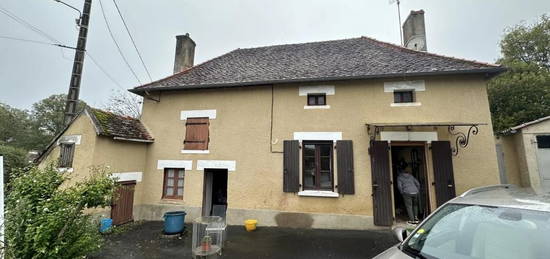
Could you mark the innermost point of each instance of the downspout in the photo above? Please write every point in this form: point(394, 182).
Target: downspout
point(271, 124)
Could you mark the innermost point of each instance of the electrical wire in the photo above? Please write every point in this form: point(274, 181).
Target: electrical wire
point(133, 42)
point(28, 25)
point(26, 40)
point(103, 70)
point(116, 43)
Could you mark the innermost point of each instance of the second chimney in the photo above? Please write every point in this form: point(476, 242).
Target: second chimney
point(414, 31)
point(185, 53)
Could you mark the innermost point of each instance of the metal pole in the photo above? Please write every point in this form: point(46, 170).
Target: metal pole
point(400, 28)
point(76, 76)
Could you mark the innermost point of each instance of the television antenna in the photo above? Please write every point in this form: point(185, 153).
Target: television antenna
point(399, 16)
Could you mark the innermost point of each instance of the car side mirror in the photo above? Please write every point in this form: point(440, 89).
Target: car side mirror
point(400, 233)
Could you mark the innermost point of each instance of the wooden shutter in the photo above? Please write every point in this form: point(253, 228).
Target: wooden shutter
point(381, 183)
point(443, 171)
point(66, 155)
point(196, 134)
point(344, 163)
point(291, 166)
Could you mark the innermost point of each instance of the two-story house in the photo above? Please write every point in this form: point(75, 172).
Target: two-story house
point(307, 135)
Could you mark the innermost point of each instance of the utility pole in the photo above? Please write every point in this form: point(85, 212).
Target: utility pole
point(76, 76)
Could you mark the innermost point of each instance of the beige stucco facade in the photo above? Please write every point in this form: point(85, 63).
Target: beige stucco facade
point(522, 157)
point(250, 126)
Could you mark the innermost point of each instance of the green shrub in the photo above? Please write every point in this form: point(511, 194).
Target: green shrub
point(45, 217)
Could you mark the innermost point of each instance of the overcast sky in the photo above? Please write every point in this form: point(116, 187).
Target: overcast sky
point(30, 72)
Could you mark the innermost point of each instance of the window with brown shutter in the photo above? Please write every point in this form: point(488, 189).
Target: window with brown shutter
point(66, 155)
point(196, 134)
point(173, 183)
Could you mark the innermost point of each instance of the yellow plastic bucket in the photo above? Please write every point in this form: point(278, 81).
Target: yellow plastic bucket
point(250, 224)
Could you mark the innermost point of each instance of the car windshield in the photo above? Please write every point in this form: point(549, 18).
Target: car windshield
point(473, 231)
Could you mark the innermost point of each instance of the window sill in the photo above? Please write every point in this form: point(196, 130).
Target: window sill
point(171, 201)
point(313, 107)
point(405, 104)
point(312, 193)
point(184, 151)
point(65, 170)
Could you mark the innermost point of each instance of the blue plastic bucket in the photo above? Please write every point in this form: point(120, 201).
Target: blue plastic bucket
point(105, 224)
point(174, 222)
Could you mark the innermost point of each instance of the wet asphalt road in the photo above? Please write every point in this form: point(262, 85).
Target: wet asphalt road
point(146, 241)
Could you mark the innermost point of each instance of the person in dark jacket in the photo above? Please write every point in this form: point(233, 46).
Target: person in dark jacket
point(409, 188)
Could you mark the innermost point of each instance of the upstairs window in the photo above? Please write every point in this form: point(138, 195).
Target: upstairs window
point(196, 134)
point(316, 99)
point(173, 183)
point(66, 155)
point(317, 166)
point(403, 96)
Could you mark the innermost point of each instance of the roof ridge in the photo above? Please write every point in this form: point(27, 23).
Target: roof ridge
point(298, 43)
point(114, 114)
point(185, 70)
point(389, 44)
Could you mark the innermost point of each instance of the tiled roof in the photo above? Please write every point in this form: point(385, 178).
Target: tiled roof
point(116, 126)
point(357, 58)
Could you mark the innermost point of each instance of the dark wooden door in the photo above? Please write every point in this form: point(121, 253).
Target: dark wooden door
point(443, 171)
point(123, 203)
point(381, 183)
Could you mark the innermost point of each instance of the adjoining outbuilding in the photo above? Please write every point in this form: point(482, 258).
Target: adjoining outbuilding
point(524, 154)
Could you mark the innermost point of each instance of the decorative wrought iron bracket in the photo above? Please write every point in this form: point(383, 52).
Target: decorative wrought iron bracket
point(462, 139)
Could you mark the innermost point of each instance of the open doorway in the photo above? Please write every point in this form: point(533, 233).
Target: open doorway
point(214, 198)
point(410, 157)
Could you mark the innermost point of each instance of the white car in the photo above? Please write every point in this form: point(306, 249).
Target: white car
point(500, 221)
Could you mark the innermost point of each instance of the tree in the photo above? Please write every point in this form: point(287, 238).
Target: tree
point(125, 104)
point(14, 159)
point(522, 94)
point(48, 114)
point(14, 126)
point(46, 219)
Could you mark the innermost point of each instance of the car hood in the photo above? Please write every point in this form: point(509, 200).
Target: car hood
point(393, 253)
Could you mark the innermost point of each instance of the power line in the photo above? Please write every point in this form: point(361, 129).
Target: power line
point(132, 39)
point(26, 40)
point(28, 25)
point(36, 41)
point(104, 71)
point(116, 43)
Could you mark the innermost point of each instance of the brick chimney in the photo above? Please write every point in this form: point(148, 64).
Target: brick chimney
point(185, 53)
point(414, 31)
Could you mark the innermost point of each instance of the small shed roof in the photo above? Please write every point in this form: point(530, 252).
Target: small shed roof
point(513, 130)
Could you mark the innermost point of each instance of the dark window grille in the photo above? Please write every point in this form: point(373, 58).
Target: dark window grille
point(316, 99)
point(173, 183)
point(66, 155)
point(403, 97)
point(543, 141)
point(317, 166)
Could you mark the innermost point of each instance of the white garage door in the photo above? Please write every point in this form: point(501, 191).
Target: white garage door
point(543, 157)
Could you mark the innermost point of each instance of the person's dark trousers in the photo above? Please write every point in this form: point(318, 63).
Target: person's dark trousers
point(411, 203)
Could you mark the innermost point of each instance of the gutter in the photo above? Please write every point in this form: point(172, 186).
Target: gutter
point(134, 139)
point(490, 72)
